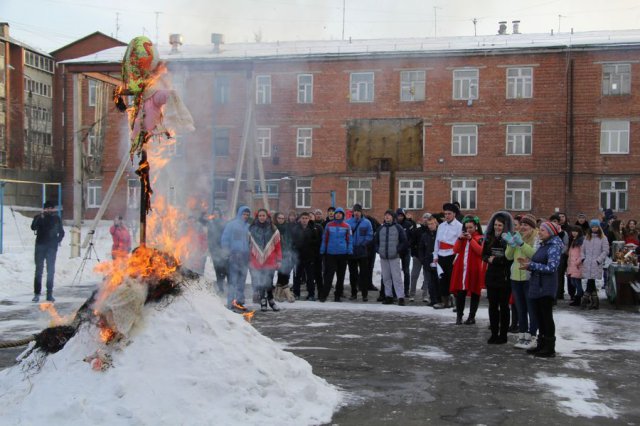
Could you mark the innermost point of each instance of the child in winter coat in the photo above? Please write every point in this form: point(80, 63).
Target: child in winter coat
point(574, 264)
point(595, 249)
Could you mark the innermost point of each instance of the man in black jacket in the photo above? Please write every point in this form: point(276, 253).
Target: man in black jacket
point(306, 241)
point(49, 232)
point(405, 256)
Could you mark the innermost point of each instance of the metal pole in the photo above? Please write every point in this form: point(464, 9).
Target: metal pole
point(77, 165)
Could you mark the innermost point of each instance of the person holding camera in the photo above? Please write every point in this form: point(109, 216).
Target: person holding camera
point(49, 233)
point(121, 239)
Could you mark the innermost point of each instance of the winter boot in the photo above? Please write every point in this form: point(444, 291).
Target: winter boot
point(401, 301)
point(493, 339)
point(539, 345)
point(549, 348)
point(595, 301)
point(273, 305)
point(387, 300)
point(586, 301)
point(470, 321)
point(263, 304)
point(459, 320)
point(524, 341)
point(50, 298)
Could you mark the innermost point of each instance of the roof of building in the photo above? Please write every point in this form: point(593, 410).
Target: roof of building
point(88, 36)
point(24, 45)
point(381, 47)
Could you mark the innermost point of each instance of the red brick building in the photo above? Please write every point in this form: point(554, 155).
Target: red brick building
point(527, 123)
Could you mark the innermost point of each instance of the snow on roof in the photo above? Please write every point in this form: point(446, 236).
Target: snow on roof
point(341, 48)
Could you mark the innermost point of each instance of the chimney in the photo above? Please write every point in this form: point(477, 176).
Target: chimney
point(217, 39)
point(4, 29)
point(516, 27)
point(175, 40)
point(502, 29)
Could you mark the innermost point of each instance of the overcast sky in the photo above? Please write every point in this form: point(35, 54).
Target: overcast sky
point(51, 24)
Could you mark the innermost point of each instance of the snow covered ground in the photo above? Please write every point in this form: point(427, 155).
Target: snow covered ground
point(193, 356)
point(190, 361)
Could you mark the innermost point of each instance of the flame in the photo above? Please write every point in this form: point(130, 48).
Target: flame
point(106, 334)
point(237, 305)
point(56, 319)
point(248, 316)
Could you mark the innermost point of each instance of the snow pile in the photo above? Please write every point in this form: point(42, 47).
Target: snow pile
point(187, 362)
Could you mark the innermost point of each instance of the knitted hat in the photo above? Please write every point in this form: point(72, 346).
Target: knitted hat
point(391, 212)
point(48, 205)
point(582, 215)
point(529, 219)
point(551, 228)
point(357, 208)
point(594, 222)
point(400, 212)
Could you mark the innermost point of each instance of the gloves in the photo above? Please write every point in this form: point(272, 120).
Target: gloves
point(508, 238)
point(517, 239)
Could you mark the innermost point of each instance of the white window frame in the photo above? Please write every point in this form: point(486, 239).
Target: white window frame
point(304, 142)
point(614, 194)
point(616, 81)
point(263, 142)
point(273, 189)
point(263, 89)
point(359, 191)
point(222, 89)
point(517, 194)
point(465, 191)
point(92, 92)
point(303, 193)
point(464, 140)
point(413, 85)
point(519, 83)
point(94, 193)
point(305, 89)
point(614, 137)
point(133, 193)
point(411, 194)
point(362, 86)
point(91, 142)
point(465, 85)
point(519, 139)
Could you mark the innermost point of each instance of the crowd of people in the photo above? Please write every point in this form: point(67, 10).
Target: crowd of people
point(520, 260)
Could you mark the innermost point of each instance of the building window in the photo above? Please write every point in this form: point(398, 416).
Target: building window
point(518, 195)
point(91, 143)
point(519, 83)
point(614, 137)
point(221, 142)
point(616, 79)
point(304, 142)
point(263, 89)
point(412, 85)
point(305, 88)
point(93, 92)
point(362, 86)
point(303, 193)
point(271, 190)
point(465, 84)
point(411, 194)
point(263, 142)
point(221, 89)
point(94, 193)
point(133, 193)
point(464, 192)
point(464, 140)
point(613, 195)
point(519, 139)
point(359, 191)
point(220, 187)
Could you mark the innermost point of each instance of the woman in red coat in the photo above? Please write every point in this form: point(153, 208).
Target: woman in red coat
point(266, 258)
point(121, 239)
point(467, 277)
